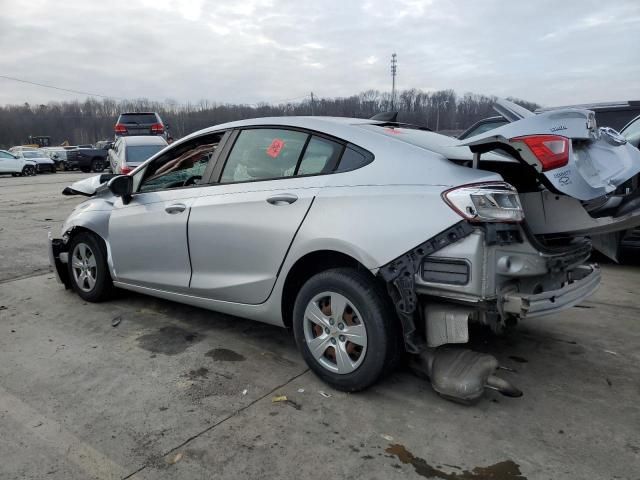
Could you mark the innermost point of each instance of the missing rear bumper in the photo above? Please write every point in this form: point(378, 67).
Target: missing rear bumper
point(585, 281)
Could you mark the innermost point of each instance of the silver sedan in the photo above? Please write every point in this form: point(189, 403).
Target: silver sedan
point(369, 239)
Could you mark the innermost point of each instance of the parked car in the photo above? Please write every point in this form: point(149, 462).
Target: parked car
point(140, 123)
point(42, 161)
point(10, 163)
point(86, 159)
point(129, 152)
point(368, 238)
point(57, 154)
point(629, 246)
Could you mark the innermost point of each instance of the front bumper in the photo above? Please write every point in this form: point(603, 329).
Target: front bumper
point(57, 253)
point(587, 281)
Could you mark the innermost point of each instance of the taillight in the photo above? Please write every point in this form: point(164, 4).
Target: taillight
point(486, 202)
point(124, 170)
point(120, 128)
point(157, 128)
point(552, 151)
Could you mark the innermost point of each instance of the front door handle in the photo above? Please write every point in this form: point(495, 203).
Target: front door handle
point(176, 208)
point(282, 199)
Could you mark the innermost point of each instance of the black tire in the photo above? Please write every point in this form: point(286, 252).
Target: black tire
point(384, 340)
point(103, 286)
point(28, 170)
point(65, 167)
point(97, 165)
point(16, 174)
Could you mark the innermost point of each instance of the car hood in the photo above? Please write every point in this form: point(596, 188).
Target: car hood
point(90, 186)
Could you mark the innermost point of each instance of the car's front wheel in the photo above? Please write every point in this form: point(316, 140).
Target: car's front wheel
point(28, 170)
point(345, 328)
point(88, 268)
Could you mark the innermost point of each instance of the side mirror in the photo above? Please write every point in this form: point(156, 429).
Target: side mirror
point(121, 186)
point(167, 126)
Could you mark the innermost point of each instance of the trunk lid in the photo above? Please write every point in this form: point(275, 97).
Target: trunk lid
point(599, 160)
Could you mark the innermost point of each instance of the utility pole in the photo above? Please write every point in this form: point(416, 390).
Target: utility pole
point(394, 70)
point(312, 113)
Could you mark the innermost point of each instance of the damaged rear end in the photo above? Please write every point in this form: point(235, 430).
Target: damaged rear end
point(522, 247)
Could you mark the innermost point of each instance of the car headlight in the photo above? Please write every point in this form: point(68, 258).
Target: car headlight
point(486, 202)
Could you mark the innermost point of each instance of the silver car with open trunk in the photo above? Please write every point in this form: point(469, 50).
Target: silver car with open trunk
point(368, 238)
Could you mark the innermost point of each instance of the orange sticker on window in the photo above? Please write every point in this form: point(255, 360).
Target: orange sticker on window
point(276, 146)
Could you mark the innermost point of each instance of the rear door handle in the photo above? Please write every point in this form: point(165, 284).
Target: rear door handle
point(282, 199)
point(176, 208)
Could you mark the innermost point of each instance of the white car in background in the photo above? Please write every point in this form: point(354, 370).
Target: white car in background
point(42, 161)
point(129, 152)
point(17, 167)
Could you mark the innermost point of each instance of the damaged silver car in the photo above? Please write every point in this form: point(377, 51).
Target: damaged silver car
point(367, 238)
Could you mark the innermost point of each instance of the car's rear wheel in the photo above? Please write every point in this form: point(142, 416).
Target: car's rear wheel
point(28, 170)
point(345, 329)
point(97, 165)
point(88, 270)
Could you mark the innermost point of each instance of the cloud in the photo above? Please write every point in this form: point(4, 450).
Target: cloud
point(263, 50)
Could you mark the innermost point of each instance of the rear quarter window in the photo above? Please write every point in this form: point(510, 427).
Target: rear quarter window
point(353, 158)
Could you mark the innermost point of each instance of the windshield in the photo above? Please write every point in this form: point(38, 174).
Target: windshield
point(31, 155)
point(140, 153)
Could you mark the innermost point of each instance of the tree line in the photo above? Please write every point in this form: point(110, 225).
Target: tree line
point(88, 121)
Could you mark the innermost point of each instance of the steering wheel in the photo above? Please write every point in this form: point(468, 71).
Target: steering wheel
point(192, 180)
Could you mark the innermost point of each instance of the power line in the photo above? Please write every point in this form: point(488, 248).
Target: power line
point(70, 90)
point(6, 77)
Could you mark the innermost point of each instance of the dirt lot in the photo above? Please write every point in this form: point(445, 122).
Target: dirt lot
point(178, 392)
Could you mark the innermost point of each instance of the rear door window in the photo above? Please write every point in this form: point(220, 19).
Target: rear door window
point(320, 156)
point(262, 154)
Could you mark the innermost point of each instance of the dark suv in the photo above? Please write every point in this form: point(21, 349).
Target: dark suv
point(140, 123)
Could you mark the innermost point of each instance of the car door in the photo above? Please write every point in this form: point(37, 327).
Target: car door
point(241, 229)
point(148, 234)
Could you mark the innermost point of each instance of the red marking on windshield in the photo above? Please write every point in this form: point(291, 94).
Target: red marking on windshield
point(276, 146)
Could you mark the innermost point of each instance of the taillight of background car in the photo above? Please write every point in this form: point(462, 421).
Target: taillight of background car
point(486, 202)
point(157, 128)
point(552, 151)
point(120, 128)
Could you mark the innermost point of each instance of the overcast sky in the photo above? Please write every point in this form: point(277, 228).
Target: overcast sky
point(551, 52)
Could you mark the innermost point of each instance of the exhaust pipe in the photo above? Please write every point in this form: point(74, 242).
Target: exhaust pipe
point(461, 375)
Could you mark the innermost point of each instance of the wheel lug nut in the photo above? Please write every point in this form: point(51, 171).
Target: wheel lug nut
point(326, 330)
point(333, 340)
point(341, 326)
point(341, 337)
point(331, 321)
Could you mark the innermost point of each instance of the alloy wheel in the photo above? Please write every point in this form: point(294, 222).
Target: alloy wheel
point(84, 267)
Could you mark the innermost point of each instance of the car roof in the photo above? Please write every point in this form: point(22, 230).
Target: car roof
point(341, 127)
point(144, 140)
